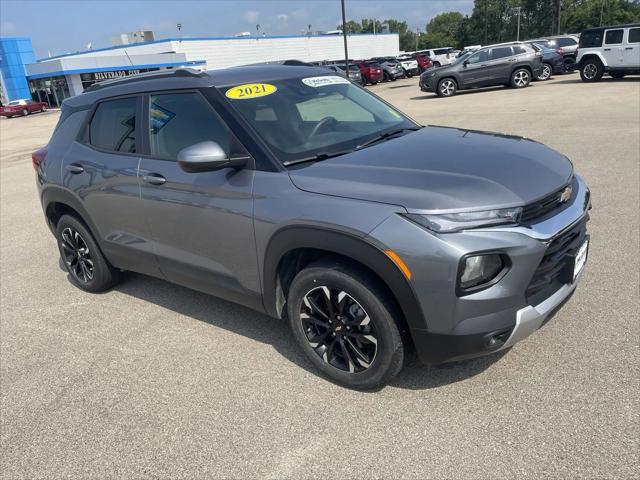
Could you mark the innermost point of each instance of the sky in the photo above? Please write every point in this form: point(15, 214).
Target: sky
point(65, 26)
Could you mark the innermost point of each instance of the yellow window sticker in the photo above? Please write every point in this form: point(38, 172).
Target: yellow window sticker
point(251, 90)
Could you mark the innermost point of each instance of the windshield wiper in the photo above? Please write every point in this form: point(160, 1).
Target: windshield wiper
point(385, 136)
point(314, 158)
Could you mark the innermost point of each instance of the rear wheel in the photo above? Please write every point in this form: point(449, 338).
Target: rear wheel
point(44, 108)
point(545, 73)
point(436, 64)
point(447, 87)
point(520, 78)
point(591, 70)
point(345, 324)
point(87, 267)
point(25, 112)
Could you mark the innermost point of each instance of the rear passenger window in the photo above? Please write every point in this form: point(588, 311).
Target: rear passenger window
point(613, 37)
point(500, 52)
point(113, 126)
point(634, 35)
point(179, 120)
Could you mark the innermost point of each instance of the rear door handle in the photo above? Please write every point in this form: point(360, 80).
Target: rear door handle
point(607, 49)
point(154, 179)
point(628, 48)
point(75, 168)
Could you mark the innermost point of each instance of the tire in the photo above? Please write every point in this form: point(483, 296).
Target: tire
point(520, 78)
point(25, 112)
point(617, 74)
point(447, 87)
point(374, 82)
point(546, 73)
point(591, 70)
point(365, 323)
point(436, 64)
point(386, 77)
point(82, 258)
point(43, 109)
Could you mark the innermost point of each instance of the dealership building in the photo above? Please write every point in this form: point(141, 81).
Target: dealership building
point(55, 78)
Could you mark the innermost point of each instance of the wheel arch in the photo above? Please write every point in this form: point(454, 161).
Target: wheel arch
point(57, 202)
point(292, 248)
point(591, 56)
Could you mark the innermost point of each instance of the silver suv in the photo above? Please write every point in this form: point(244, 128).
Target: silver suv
point(612, 50)
point(294, 192)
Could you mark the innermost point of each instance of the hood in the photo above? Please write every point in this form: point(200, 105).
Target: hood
point(440, 168)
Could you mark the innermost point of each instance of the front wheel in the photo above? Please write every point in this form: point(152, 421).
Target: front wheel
point(344, 322)
point(545, 73)
point(447, 87)
point(520, 78)
point(25, 112)
point(43, 109)
point(591, 70)
point(87, 267)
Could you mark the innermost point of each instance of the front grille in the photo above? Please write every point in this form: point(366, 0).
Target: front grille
point(556, 266)
point(542, 207)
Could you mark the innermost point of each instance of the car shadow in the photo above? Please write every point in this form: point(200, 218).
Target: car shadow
point(262, 328)
point(471, 91)
point(605, 79)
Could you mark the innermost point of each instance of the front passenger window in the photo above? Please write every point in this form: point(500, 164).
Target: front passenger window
point(179, 120)
point(481, 56)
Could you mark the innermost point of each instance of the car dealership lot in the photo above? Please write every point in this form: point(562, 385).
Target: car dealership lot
point(154, 380)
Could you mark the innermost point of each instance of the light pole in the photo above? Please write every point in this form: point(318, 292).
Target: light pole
point(519, 11)
point(417, 37)
point(344, 36)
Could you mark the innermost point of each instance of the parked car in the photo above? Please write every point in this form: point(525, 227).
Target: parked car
point(424, 62)
point(291, 191)
point(340, 69)
point(512, 64)
point(612, 50)
point(568, 44)
point(409, 65)
point(440, 56)
point(371, 72)
point(22, 108)
point(552, 61)
point(391, 68)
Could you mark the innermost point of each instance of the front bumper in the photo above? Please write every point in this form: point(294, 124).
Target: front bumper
point(457, 327)
point(428, 84)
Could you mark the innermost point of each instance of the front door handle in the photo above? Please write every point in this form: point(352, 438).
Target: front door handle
point(154, 179)
point(75, 168)
point(607, 49)
point(628, 48)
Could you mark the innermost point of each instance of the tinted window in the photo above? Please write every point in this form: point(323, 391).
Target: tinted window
point(442, 51)
point(179, 120)
point(481, 56)
point(591, 38)
point(500, 52)
point(113, 126)
point(613, 36)
point(518, 49)
point(634, 35)
point(565, 42)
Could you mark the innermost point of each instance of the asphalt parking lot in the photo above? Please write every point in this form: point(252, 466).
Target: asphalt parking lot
point(152, 380)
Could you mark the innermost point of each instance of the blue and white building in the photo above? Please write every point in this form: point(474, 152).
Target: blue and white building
point(56, 78)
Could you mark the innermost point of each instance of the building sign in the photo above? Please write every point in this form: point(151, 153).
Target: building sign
point(89, 79)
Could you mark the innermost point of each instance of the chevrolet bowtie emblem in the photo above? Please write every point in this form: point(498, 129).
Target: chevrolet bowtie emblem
point(566, 194)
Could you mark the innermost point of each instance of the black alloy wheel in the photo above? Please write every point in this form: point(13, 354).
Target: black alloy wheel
point(76, 255)
point(338, 329)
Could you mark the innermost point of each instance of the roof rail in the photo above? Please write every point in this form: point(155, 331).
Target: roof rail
point(178, 72)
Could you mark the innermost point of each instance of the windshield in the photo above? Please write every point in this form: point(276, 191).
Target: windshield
point(304, 117)
point(16, 102)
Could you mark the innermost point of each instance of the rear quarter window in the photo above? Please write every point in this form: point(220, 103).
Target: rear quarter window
point(591, 39)
point(566, 42)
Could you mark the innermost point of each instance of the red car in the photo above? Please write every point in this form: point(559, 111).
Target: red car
point(371, 72)
point(424, 62)
point(22, 107)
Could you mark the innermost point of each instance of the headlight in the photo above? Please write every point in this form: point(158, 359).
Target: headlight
point(480, 271)
point(454, 222)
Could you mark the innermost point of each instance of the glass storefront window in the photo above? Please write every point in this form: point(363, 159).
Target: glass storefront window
point(51, 90)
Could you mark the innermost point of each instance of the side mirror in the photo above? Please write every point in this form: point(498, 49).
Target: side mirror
point(206, 157)
point(465, 63)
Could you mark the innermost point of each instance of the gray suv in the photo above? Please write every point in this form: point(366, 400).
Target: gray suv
point(294, 192)
point(510, 64)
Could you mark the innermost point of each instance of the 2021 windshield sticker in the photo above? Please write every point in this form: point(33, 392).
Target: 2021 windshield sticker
point(323, 81)
point(251, 90)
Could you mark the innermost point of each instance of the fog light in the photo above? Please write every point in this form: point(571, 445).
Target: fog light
point(478, 270)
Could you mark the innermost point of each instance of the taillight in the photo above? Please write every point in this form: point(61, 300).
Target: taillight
point(37, 157)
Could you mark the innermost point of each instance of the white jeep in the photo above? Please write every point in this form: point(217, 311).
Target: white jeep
point(614, 50)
